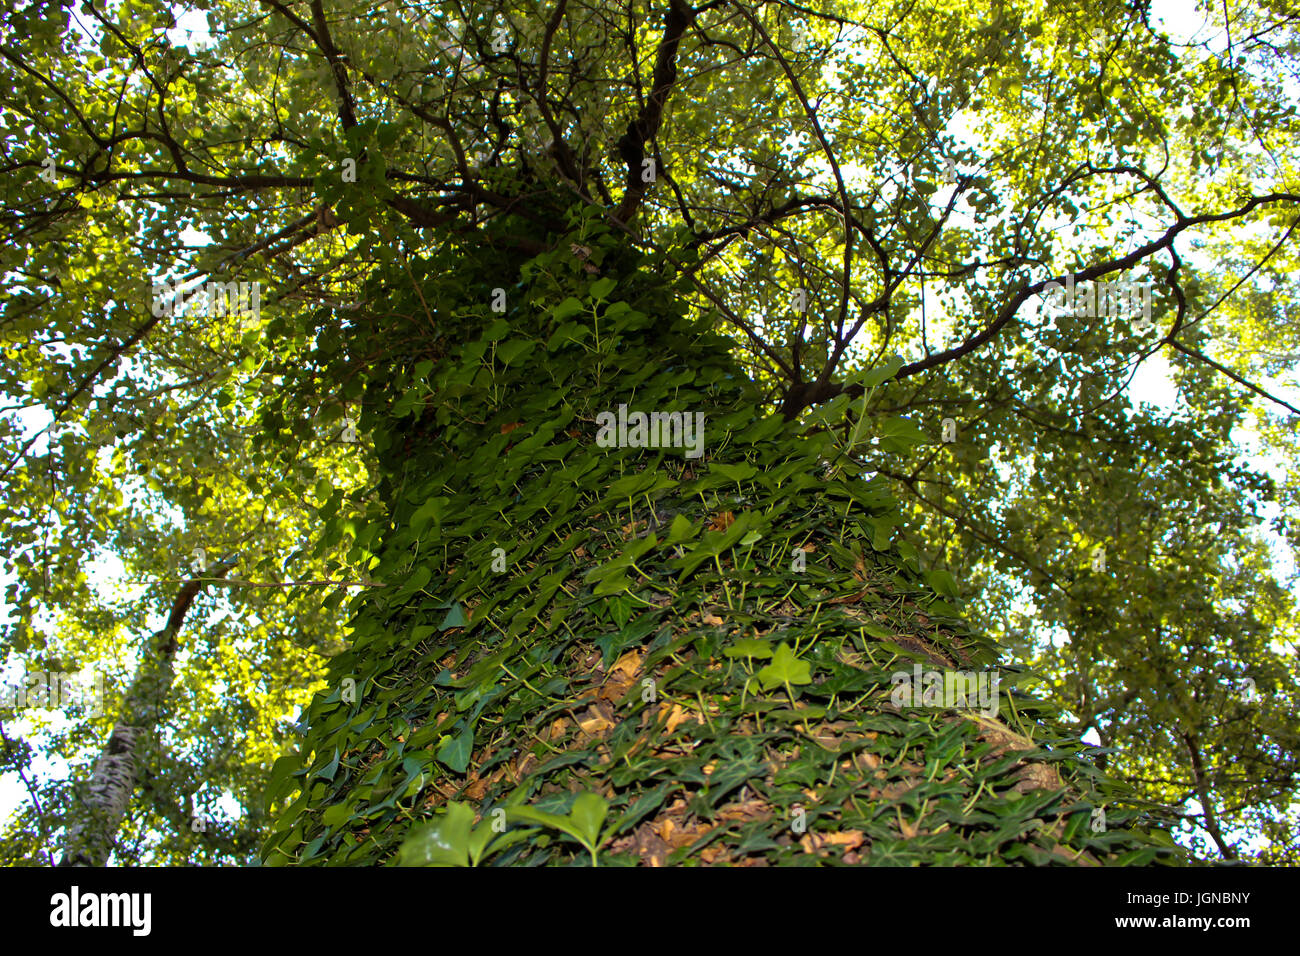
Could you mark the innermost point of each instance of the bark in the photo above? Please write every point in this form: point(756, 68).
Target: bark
point(1202, 782)
point(97, 813)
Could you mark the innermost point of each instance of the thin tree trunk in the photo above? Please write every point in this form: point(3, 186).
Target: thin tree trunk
point(96, 816)
point(1202, 783)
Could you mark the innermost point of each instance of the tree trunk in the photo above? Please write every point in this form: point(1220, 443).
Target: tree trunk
point(710, 647)
point(97, 813)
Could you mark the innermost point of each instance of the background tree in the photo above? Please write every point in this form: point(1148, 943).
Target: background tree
point(918, 173)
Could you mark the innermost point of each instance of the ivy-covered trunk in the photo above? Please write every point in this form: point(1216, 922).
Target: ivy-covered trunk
point(688, 638)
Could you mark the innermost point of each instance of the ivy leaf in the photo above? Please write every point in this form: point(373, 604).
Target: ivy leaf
point(418, 579)
point(680, 530)
point(942, 582)
point(431, 510)
point(455, 751)
point(785, 669)
point(455, 617)
point(443, 841)
point(750, 647)
point(588, 814)
point(737, 473)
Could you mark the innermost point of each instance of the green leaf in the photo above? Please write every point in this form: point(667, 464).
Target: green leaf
point(280, 774)
point(681, 529)
point(330, 769)
point(418, 579)
point(881, 373)
point(455, 751)
point(569, 307)
point(784, 669)
point(336, 814)
point(511, 351)
point(498, 330)
point(588, 815)
point(431, 510)
point(552, 820)
point(566, 334)
point(455, 618)
point(942, 582)
point(900, 434)
point(736, 473)
point(601, 288)
point(749, 647)
point(443, 841)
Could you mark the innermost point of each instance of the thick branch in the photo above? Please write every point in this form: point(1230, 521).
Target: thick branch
point(631, 146)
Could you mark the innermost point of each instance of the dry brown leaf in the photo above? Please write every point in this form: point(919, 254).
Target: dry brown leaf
point(650, 846)
point(477, 787)
point(1031, 775)
point(849, 839)
point(678, 716)
point(627, 666)
point(722, 521)
point(749, 810)
point(595, 722)
point(622, 676)
point(594, 725)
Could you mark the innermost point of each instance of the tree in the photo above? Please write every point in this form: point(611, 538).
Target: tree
point(476, 235)
point(94, 820)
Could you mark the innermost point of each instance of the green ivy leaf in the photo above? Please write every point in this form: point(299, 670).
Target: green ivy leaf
point(785, 669)
point(443, 841)
point(455, 751)
point(749, 647)
point(455, 618)
point(588, 815)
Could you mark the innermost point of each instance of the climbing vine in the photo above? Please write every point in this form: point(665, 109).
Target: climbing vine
point(598, 651)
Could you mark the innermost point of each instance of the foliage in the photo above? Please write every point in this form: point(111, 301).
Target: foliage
point(606, 659)
point(917, 172)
